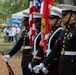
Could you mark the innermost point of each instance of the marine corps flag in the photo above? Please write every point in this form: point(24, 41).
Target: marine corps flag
point(45, 27)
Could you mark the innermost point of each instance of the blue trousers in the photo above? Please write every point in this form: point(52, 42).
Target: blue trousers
point(26, 71)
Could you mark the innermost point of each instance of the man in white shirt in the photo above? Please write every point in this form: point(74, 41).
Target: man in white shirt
point(11, 33)
point(17, 32)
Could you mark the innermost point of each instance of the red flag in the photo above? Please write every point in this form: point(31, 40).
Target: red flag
point(45, 27)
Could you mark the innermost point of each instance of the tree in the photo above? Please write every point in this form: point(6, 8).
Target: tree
point(67, 2)
point(74, 2)
point(8, 7)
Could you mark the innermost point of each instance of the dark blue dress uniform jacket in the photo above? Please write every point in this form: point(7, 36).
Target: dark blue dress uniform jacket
point(40, 53)
point(66, 41)
point(26, 53)
point(53, 66)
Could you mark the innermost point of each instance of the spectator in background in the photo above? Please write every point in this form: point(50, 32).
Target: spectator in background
point(17, 32)
point(11, 33)
point(6, 30)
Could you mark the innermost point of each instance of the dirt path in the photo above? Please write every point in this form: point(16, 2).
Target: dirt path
point(15, 63)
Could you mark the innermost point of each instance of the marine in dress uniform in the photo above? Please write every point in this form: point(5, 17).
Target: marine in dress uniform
point(65, 44)
point(55, 22)
point(36, 43)
point(26, 53)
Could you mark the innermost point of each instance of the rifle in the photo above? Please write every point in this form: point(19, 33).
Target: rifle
point(9, 67)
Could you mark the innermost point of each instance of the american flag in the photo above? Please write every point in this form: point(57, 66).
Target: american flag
point(35, 6)
point(38, 5)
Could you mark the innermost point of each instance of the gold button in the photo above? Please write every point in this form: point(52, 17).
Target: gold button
point(71, 60)
point(64, 37)
point(62, 49)
point(25, 36)
point(65, 33)
point(68, 26)
point(66, 29)
point(63, 45)
point(63, 41)
point(23, 41)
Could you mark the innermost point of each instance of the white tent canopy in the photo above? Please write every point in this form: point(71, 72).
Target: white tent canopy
point(20, 15)
point(25, 13)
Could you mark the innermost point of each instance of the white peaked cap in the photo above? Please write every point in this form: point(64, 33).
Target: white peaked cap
point(68, 7)
point(56, 11)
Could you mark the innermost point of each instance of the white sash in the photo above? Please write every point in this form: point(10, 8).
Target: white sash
point(35, 51)
point(48, 50)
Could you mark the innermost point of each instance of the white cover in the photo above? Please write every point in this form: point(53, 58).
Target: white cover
point(68, 7)
point(20, 15)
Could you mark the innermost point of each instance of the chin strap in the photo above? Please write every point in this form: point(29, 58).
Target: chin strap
point(69, 18)
point(55, 22)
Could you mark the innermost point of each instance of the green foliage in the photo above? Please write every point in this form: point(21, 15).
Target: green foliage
point(57, 4)
point(1, 35)
point(8, 7)
point(2, 48)
point(6, 46)
point(2, 26)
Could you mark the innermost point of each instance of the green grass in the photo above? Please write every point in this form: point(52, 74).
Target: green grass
point(7, 43)
point(1, 35)
point(6, 46)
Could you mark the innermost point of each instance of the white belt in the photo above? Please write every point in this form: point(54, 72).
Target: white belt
point(69, 53)
point(27, 47)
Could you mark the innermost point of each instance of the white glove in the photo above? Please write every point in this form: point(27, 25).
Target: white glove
point(38, 68)
point(6, 57)
point(30, 67)
point(44, 70)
